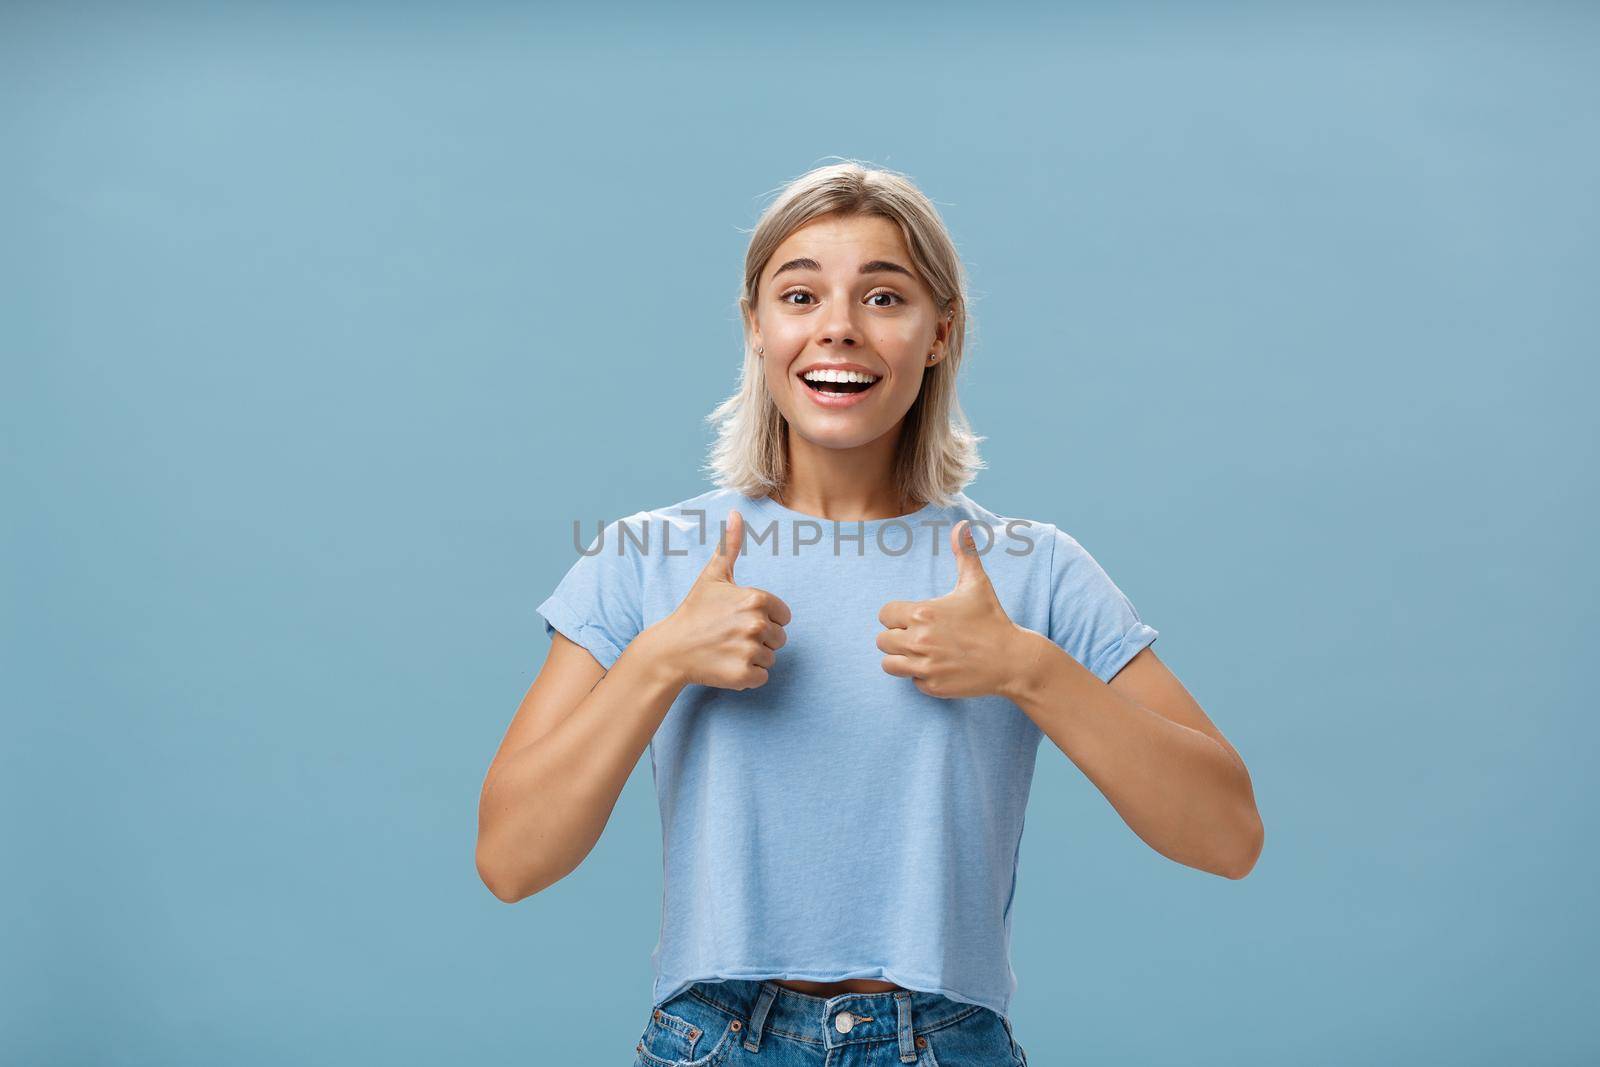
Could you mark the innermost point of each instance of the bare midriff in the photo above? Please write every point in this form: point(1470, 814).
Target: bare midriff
point(833, 989)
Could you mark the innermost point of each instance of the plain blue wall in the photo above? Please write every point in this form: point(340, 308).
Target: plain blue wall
point(321, 324)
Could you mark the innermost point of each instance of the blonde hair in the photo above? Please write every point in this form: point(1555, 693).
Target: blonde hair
point(937, 454)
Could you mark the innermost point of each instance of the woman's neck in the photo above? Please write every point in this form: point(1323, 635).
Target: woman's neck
point(852, 509)
point(844, 484)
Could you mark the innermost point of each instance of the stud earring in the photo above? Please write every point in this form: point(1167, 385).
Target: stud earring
point(759, 350)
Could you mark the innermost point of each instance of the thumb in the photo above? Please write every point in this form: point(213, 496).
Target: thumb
point(969, 565)
point(720, 566)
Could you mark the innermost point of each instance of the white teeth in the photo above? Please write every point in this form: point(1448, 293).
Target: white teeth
point(839, 376)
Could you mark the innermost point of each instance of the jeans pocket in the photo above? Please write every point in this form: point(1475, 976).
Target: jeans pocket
point(1018, 1053)
point(687, 1032)
point(979, 1035)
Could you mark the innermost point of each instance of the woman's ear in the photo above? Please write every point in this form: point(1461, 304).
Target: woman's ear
point(941, 334)
point(752, 332)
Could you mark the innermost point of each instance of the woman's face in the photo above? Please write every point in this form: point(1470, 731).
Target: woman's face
point(840, 292)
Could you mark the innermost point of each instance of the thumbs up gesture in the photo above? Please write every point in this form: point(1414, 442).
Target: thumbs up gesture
point(962, 644)
point(724, 634)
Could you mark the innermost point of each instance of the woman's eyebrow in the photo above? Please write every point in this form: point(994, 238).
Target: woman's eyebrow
point(873, 266)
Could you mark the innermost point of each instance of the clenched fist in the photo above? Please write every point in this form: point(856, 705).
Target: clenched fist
point(724, 634)
point(962, 644)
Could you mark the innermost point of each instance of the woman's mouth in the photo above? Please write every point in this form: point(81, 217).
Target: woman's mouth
point(837, 389)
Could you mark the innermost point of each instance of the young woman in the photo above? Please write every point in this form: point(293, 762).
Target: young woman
point(842, 667)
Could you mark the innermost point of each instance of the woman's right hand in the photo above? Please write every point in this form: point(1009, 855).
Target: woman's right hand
point(724, 634)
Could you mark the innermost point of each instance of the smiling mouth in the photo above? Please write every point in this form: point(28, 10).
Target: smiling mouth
point(839, 388)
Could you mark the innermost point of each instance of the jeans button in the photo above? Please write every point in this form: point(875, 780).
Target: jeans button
point(843, 1022)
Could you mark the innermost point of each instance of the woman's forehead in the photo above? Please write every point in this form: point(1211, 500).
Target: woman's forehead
point(835, 242)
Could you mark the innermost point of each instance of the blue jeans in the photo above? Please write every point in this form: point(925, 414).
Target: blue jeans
point(749, 1023)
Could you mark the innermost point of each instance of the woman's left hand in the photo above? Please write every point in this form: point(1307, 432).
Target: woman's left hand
point(962, 644)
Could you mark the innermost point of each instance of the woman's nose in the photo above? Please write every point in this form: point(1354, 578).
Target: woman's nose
point(839, 329)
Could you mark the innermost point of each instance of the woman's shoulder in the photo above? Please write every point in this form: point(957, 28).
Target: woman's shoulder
point(678, 525)
point(1020, 534)
point(709, 507)
point(713, 500)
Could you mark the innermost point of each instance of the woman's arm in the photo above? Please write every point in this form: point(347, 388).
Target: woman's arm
point(566, 756)
point(1150, 749)
point(581, 729)
point(1142, 739)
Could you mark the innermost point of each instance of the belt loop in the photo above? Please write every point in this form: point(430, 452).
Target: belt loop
point(908, 1048)
point(758, 1016)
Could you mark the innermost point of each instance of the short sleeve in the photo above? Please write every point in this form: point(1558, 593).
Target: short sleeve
point(597, 604)
point(1089, 616)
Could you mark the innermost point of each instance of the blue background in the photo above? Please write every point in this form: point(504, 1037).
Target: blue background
point(322, 323)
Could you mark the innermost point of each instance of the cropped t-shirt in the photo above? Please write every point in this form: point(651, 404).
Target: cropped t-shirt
point(837, 822)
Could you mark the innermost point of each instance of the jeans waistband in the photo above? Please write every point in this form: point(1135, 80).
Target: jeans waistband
point(832, 1022)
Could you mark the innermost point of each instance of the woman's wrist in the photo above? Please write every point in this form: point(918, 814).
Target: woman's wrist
point(1029, 657)
point(658, 655)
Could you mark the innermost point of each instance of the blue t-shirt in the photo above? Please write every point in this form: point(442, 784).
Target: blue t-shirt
point(837, 822)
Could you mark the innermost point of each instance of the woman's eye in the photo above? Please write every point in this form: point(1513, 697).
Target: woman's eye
point(798, 292)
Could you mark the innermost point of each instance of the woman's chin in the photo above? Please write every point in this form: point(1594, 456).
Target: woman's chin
point(838, 428)
point(836, 433)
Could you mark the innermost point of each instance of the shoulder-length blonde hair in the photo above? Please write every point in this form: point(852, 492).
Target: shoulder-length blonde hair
point(937, 454)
